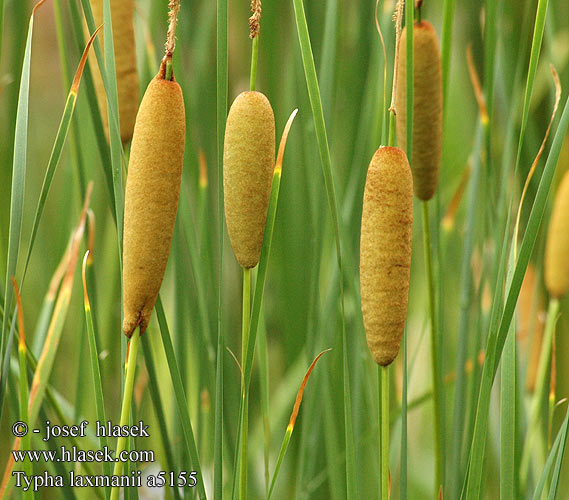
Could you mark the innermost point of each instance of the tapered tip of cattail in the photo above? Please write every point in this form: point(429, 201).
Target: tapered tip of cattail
point(248, 163)
point(385, 251)
point(557, 248)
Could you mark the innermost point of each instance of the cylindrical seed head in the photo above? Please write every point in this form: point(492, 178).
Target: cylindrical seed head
point(122, 16)
point(151, 199)
point(248, 164)
point(385, 251)
point(427, 107)
point(557, 248)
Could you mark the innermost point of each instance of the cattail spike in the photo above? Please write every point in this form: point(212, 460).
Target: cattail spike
point(151, 199)
point(385, 251)
point(557, 247)
point(248, 164)
point(427, 107)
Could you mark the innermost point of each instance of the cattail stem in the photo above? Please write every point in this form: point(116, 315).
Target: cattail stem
point(383, 384)
point(435, 370)
point(535, 425)
point(254, 59)
point(126, 403)
point(168, 73)
point(391, 137)
point(244, 389)
point(254, 31)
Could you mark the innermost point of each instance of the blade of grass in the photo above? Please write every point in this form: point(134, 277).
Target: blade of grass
point(17, 192)
point(292, 421)
point(48, 303)
point(265, 253)
point(533, 63)
point(264, 382)
point(114, 124)
point(557, 471)
point(58, 147)
point(508, 418)
point(74, 135)
point(108, 75)
point(26, 440)
point(180, 394)
point(45, 363)
point(159, 409)
point(324, 150)
point(95, 369)
point(561, 435)
point(130, 368)
point(496, 339)
point(535, 425)
point(101, 140)
point(221, 116)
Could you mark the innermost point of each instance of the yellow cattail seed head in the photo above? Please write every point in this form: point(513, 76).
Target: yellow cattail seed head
point(427, 107)
point(151, 199)
point(557, 248)
point(385, 251)
point(248, 164)
point(122, 16)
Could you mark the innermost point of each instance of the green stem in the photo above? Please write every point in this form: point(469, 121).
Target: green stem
point(244, 387)
point(541, 386)
point(435, 370)
point(126, 402)
point(168, 75)
point(391, 139)
point(254, 59)
point(383, 376)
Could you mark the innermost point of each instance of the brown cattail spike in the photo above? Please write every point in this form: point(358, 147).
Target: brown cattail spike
point(151, 200)
point(427, 107)
point(557, 248)
point(248, 163)
point(385, 251)
point(122, 16)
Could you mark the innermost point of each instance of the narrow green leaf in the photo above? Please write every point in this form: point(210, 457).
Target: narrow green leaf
point(496, 339)
point(533, 63)
point(57, 149)
point(95, 369)
point(550, 458)
point(508, 418)
point(17, 193)
point(221, 115)
point(557, 471)
point(180, 394)
point(108, 75)
point(324, 150)
point(159, 409)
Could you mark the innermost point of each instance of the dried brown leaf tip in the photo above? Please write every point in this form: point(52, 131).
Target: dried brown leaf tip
point(173, 9)
point(255, 19)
